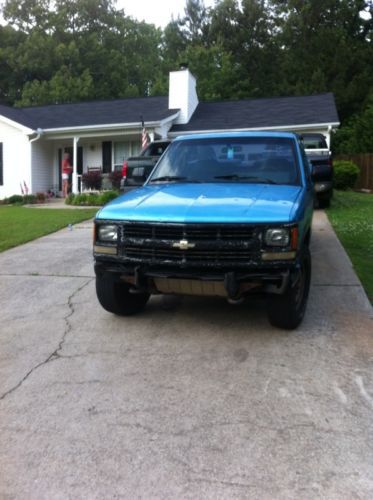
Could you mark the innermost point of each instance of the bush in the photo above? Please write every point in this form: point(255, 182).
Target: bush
point(29, 199)
point(69, 199)
point(85, 199)
point(107, 196)
point(345, 174)
point(15, 198)
point(92, 180)
point(115, 178)
point(40, 197)
point(91, 199)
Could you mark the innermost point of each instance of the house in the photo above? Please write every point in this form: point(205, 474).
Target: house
point(102, 134)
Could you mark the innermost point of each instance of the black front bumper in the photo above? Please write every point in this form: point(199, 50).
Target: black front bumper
point(237, 281)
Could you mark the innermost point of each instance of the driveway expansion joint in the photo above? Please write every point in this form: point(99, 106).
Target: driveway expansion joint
point(40, 275)
point(56, 353)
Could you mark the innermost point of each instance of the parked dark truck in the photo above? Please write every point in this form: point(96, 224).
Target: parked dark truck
point(136, 169)
point(320, 157)
point(221, 214)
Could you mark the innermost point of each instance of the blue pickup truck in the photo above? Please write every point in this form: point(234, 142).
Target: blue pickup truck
point(225, 214)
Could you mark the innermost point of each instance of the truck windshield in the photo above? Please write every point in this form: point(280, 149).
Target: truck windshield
point(267, 160)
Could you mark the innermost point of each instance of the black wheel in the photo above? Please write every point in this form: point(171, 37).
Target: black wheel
point(116, 297)
point(287, 310)
point(324, 202)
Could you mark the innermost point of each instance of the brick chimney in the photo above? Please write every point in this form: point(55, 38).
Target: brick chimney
point(182, 93)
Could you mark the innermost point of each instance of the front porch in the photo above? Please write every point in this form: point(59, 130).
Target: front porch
point(102, 152)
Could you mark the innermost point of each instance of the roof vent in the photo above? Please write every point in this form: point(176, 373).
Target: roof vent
point(183, 65)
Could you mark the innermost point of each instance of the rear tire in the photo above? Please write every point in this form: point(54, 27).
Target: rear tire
point(324, 203)
point(115, 297)
point(287, 310)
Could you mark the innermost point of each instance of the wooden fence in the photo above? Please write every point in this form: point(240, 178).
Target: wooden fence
point(365, 163)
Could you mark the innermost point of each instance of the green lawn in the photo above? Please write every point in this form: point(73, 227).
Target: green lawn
point(351, 215)
point(20, 224)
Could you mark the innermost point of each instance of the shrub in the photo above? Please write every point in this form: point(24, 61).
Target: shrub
point(85, 199)
point(107, 196)
point(90, 199)
point(40, 197)
point(15, 198)
point(115, 178)
point(94, 200)
point(92, 180)
point(29, 199)
point(69, 199)
point(345, 174)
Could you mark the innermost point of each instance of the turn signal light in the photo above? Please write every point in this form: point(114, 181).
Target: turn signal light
point(294, 238)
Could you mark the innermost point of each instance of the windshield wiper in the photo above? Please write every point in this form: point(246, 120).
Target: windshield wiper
point(235, 177)
point(167, 178)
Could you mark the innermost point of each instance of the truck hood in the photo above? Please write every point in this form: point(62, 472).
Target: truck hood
point(215, 203)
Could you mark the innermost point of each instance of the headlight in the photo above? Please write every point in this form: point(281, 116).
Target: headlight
point(277, 237)
point(107, 232)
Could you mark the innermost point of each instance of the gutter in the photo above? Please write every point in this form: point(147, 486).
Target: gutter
point(287, 128)
point(111, 126)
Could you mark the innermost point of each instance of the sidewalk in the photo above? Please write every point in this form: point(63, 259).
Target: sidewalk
point(58, 203)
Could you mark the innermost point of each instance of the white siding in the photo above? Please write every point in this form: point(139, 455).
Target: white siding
point(16, 160)
point(92, 155)
point(42, 177)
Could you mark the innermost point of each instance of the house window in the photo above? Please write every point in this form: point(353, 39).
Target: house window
point(1, 165)
point(123, 150)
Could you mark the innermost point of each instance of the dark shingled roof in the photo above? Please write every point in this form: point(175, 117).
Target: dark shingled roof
point(90, 113)
point(271, 112)
point(243, 114)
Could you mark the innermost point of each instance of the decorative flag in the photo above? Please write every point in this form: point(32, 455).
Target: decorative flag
point(25, 186)
point(21, 188)
point(144, 136)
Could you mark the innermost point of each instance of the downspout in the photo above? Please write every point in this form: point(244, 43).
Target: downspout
point(39, 133)
point(328, 138)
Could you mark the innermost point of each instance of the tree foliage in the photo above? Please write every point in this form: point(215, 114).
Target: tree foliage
point(69, 50)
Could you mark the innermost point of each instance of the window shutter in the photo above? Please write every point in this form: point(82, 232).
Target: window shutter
point(106, 157)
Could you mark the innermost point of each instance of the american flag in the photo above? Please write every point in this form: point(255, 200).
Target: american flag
point(144, 136)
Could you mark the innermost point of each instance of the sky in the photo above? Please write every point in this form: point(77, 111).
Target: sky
point(156, 12)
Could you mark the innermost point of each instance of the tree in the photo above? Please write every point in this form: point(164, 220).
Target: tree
point(325, 47)
point(356, 136)
point(83, 41)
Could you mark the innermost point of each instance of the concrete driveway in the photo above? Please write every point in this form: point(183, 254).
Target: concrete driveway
point(192, 399)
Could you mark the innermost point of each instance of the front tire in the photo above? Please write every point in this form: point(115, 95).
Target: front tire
point(115, 297)
point(324, 203)
point(287, 310)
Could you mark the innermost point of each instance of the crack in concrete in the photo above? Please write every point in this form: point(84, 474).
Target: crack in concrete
point(336, 285)
point(38, 275)
point(56, 353)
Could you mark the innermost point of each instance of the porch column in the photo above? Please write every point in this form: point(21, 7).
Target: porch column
point(75, 166)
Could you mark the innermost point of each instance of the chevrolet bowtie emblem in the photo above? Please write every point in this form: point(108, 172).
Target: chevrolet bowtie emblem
point(183, 245)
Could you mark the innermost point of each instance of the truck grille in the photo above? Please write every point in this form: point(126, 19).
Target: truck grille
point(209, 244)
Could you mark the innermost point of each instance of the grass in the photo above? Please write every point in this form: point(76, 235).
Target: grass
point(351, 215)
point(20, 224)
